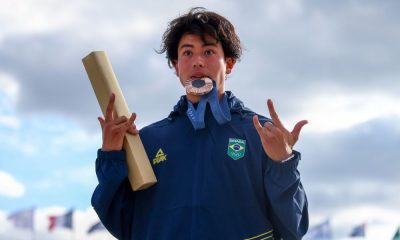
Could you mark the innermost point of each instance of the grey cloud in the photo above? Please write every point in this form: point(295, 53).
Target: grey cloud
point(364, 151)
point(351, 46)
point(353, 166)
point(52, 77)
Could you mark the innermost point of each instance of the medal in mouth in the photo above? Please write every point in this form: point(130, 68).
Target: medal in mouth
point(219, 108)
point(198, 86)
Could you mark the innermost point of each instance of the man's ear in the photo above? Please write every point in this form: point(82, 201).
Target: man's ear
point(230, 63)
point(175, 64)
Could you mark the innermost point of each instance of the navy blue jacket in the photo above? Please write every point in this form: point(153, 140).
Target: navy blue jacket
point(213, 183)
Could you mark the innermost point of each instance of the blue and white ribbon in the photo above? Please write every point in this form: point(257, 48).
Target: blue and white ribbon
point(219, 109)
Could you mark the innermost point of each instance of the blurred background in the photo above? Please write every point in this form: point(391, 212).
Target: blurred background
point(335, 63)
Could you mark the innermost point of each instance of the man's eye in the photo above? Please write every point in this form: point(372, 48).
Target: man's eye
point(208, 52)
point(187, 53)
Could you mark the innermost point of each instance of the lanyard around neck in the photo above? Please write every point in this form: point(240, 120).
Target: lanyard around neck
point(220, 109)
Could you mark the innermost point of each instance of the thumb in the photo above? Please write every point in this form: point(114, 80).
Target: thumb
point(296, 130)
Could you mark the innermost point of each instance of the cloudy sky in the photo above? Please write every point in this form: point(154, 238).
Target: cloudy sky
point(335, 63)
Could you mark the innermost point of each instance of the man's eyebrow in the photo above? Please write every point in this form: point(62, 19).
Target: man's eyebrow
point(192, 46)
point(209, 44)
point(186, 45)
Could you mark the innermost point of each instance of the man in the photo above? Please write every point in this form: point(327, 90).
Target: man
point(221, 173)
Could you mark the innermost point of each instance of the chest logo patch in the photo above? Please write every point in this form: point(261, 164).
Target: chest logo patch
point(236, 148)
point(160, 157)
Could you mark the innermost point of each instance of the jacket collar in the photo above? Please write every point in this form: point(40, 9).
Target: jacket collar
point(234, 103)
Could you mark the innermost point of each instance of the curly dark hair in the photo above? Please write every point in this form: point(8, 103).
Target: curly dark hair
point(200, 22)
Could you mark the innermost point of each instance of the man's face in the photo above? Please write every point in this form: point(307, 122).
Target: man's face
point(198, 59)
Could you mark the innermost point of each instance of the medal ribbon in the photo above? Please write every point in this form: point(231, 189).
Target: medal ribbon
point(219, 109)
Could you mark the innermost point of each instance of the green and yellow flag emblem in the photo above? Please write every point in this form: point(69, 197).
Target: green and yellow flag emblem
point(236, 148)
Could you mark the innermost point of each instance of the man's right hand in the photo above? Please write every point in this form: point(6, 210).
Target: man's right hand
point(114, 128)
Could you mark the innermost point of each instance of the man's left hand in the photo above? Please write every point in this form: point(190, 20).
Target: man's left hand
point(277, 141)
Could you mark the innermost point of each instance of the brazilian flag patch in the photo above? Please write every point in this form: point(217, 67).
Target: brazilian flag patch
point(236, 148)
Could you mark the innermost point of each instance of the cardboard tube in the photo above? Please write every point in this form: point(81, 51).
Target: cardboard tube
point(104, 82)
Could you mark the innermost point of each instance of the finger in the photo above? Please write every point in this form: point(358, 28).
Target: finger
point(269, 130)
point(132, 118)
point(263, 132)
point(133, 130)
point(257, 125)
point(274, 115)
point(101, 120)
point(120, 120)
point(110, 108)
point(119, 128)
point(273, 129)
point(297, 128)
point(269, 126)
point(130, 124)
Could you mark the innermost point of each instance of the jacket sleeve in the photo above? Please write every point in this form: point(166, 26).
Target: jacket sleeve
point(113, 198)
point(287, 199)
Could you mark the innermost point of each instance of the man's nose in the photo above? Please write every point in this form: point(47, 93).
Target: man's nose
point(198, 61)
